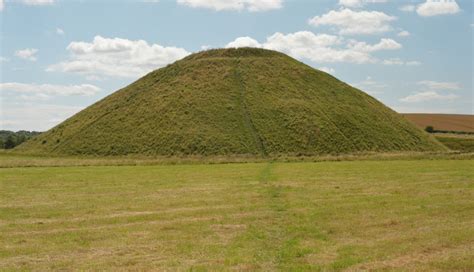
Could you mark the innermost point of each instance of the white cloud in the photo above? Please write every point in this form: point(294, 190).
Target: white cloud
point(30, 3)
point(35, 97)
point(34, 116)
point(304, 45)
point(403, 33)
point(393, 61)
point(2, 59)
point(327, 70)
point(407, 8)
point(437, 7)
point(239, 5)
point(49, 89)
point(349, 22)
point(319, 47)
point(358, 3)
point(398, 61)
point(244, 42)
point(117, 57)
point(427, 96)
point(301, 39)
point(59, 31)
point(38, 2)
point(27, 54)
point(384, 44)
point(426, 108)
point(370, 86)
point(413, 63)
point(436, 85)
point(94, 78)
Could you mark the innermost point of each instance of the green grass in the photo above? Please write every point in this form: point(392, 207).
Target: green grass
point(457, 142)
point(328, 216)
point(9, 159)
point(234, 102)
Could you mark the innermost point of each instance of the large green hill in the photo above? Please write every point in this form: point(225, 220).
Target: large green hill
point(234, 101)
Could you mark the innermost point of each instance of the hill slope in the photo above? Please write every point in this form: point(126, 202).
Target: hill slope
point(234, 101)
point(447, 122)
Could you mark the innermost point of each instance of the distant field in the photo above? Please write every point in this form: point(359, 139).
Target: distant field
point(449, 122)
point(456, 142)
point(327, 216)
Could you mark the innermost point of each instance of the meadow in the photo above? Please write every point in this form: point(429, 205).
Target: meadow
point(319, 216)
point(458, 142)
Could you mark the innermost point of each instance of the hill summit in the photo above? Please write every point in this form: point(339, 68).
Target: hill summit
point(234, 101)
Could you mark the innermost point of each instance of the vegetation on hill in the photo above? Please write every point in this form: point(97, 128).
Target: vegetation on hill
point(234, 101)
point(10, 139)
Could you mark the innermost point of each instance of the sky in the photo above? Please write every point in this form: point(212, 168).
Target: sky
point(59, 56)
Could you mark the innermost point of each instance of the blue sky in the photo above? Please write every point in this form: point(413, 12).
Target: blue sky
point(57, 57)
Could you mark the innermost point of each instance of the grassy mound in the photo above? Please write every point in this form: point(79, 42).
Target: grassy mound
point(234, 101)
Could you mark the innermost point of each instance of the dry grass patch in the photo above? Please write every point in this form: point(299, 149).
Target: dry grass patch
point(326, 216)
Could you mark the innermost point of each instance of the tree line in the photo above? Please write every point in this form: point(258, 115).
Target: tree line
point(10, 139)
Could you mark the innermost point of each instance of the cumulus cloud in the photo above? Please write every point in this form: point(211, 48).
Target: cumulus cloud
point(427, 96)
point(370, 86)
point(403, 33)
point(384, 44)
point(432, 90)
point(34, 116)
point(239, 5)
point(393, 61)
point(27, 54)
point(413, 63)
point(427, 108)
point(437, 7)
point(59, 31)
point(398, 61)
point(407, 8)
point(46, 90)
point(358, 3)
point(319, 47)
point(243, 42)
point(38, 2)
point(350, 22)
point(115, 57)
point(29, 3)
point(437, 85)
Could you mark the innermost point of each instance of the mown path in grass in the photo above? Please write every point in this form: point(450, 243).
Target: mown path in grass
point(246, 115)
point(330, 216)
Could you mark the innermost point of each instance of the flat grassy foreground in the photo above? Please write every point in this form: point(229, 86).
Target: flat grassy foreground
point(352, 215)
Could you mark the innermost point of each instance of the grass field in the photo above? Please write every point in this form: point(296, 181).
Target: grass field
point(457, 142)
point(447, 122)
point(352, 215)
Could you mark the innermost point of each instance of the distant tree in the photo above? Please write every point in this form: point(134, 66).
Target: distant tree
point(10, 139)
point(10, 142)
point(429, 129)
